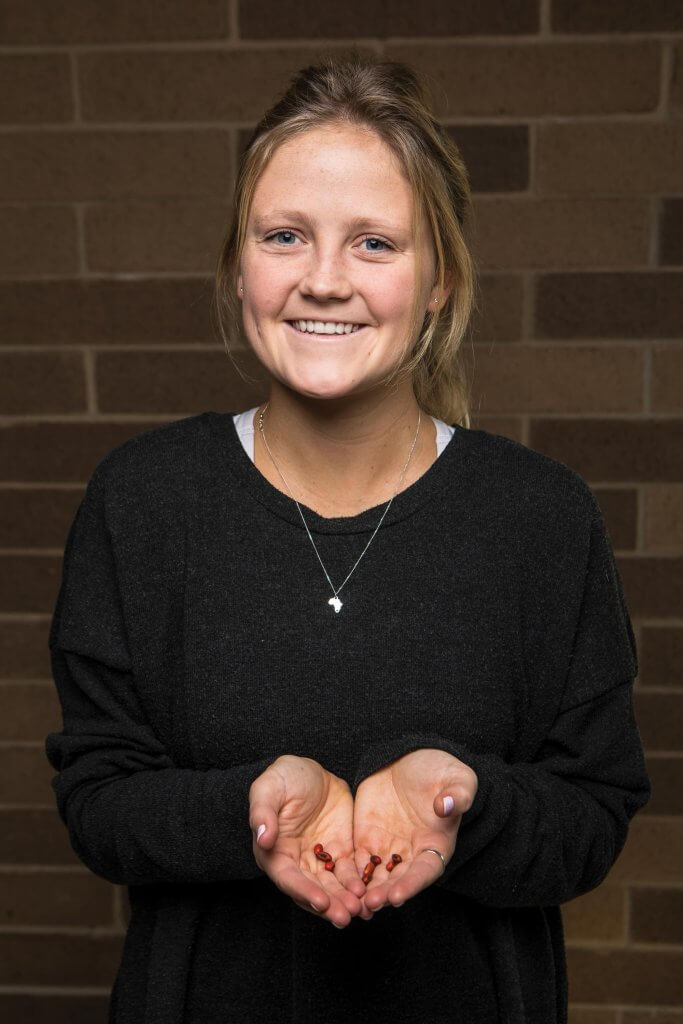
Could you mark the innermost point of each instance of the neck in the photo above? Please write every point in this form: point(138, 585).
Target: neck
point(343, 455)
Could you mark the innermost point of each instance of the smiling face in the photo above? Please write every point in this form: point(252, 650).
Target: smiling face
point(329, 240)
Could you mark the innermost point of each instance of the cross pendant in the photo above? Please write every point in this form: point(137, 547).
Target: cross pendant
point(336, 602)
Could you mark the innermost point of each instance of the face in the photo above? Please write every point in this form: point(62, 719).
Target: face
point(329, 241)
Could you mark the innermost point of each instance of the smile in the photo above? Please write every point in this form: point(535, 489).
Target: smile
point(329, 327)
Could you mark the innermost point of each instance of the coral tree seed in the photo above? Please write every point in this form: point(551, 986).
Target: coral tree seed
point(397, 858)
point(375, 859)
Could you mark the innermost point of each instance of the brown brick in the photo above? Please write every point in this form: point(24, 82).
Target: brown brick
point(677, 79)
point(498, 316)
point(600, 914)
point(59, 959)
point(24, 652)
point(652, 854)
point(666, 778)
point(61, 452)
point(660, 718)
point(604, 975)
point(35, 88)
point(661, 656)
point(28, 711)
point(37, 240)
point(547, 233)
point(37, 517)
point(616, 16)
point(209, 85)
point(34, 836)
point(529, 80)
point(82, 165)
point(609, 158)
point(657, 915)
point(81, 21)
point(667, 375)
point(55, 899)
point(605, 450)
point(558, 379)
point(174, 382)
point(53, 1008)
point(25, 775)
point(496, 155)
point(41, 382)
point(589, 1015)
point(652, 1017)
point(671, 232)
point(663, 507)
point(29, 583)
point(267, 19)
point(653, 586)
point(149, 237)
point(641, 304)
point(164, 311)
point(505, 426)
point(619, 507)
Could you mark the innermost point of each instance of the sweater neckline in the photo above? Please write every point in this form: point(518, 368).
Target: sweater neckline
point(404, 504)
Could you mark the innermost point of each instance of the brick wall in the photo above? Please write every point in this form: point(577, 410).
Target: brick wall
point(120, 128)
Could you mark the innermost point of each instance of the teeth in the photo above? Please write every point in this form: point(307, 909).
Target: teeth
point(321, 327)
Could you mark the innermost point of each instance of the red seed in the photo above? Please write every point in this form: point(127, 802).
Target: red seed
point(329, 865)
point(325, 856)
point(375, 859)
point(397, 858)
point(318, 848)
point(390, 865)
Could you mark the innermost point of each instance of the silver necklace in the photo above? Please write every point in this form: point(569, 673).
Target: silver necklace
point(335, 601)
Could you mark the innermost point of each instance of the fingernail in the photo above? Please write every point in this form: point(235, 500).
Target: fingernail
point(313, 907)
point(447, 804)
point(338, 925)
point(399, 904)
point(261, 830)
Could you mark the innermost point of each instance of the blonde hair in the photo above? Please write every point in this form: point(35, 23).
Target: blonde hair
point(392, 100)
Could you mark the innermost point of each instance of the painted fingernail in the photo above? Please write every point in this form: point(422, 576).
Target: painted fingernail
point(261, 830)
point(447, 804)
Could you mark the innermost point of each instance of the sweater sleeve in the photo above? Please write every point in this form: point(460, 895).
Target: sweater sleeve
point(546, 829)
point(133, 816)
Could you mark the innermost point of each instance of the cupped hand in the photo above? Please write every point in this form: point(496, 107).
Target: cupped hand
point(302, 804)
point(400, 809)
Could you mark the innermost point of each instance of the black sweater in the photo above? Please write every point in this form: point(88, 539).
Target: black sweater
point(192, 643)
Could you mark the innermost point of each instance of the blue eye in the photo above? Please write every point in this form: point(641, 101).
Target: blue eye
point(276, 233)
point(385, 244)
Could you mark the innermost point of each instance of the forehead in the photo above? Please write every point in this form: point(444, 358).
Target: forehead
point(333, 167)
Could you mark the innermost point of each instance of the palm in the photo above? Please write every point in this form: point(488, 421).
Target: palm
point(394, 813)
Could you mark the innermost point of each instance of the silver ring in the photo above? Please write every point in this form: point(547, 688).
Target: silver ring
point(429, 850)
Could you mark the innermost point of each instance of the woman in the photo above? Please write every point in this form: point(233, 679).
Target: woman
point(335, 619)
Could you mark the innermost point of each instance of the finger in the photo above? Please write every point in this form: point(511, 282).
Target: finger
point(453, 801)
point(347, 874)
point(417, 875)
point(261, 814)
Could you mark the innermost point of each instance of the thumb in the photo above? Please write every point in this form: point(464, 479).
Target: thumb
point(451, 801)
point(263, 822)
point(266, 797)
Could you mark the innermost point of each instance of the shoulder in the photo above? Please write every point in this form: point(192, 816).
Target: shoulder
point(154, 458)
point(539, 488)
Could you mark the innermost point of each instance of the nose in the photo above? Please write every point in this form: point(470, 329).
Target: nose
point(326, 277)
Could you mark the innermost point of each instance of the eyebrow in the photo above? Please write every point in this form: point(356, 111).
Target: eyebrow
point(355, 222)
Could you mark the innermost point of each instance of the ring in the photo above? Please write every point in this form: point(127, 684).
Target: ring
point(429, 850)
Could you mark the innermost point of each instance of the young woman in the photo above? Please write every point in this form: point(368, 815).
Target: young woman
point(343, 620)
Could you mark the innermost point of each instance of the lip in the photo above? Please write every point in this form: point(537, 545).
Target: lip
point(326, 337)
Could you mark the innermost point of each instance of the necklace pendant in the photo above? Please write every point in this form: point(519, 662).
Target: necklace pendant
point(336, 602)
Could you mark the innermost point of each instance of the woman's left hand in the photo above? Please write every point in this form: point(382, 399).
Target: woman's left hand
point(400, 809)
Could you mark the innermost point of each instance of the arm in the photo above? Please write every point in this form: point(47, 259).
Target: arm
point(133, 816)
point(546, 829)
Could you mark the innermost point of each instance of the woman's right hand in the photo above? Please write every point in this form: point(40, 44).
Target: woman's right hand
point(302, 804)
